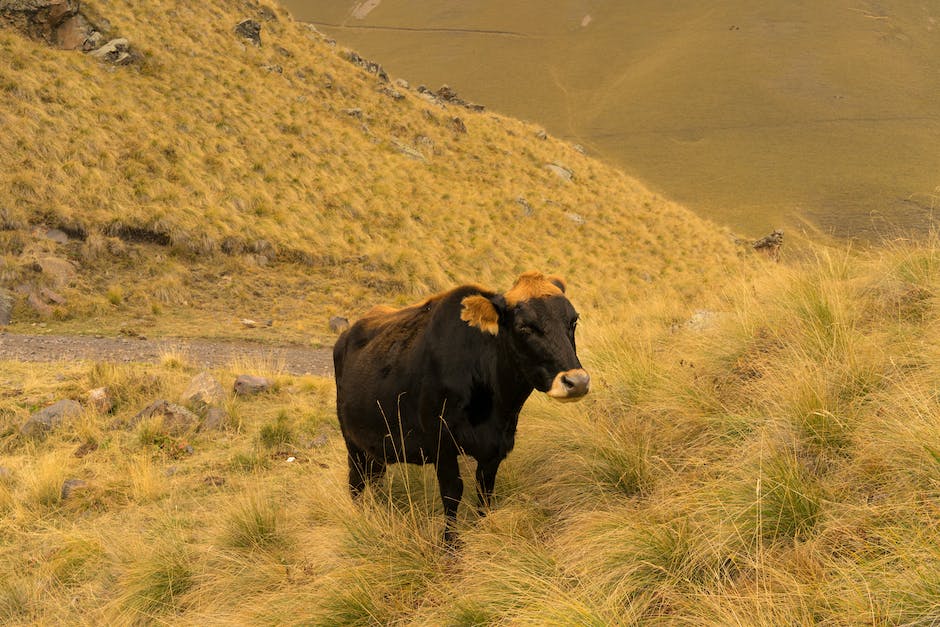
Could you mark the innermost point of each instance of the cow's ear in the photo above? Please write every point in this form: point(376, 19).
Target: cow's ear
point(480, 312)
point(557, 281)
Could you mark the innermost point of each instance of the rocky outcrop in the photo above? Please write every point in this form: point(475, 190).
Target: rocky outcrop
point(66, 24)
point(770, 244)
point(369, 66)
point(250, 30)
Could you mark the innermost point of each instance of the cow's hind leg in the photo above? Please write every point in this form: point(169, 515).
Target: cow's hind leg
point(362, 468)
point(451, 485)
point(486, 482)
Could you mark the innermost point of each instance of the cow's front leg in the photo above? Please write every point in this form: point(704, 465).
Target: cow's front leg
point(486, 482)
point(451, 485)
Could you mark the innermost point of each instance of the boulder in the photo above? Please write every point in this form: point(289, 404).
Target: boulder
point(458, 125)
point(204, 391)
point(246, 384)
point(117, 51)
point(50, 418)
point(100, 400)
point(177, 420)
point(60, 271)
point(250, 30)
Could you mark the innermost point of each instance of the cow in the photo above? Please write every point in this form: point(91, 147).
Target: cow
point(449, 376)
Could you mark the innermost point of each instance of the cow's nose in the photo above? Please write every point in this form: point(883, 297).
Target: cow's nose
point(570, 385)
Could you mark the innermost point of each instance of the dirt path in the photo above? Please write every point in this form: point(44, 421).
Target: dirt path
point(204, 353)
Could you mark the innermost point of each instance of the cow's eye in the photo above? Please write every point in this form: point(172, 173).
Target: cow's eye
point(527, 328)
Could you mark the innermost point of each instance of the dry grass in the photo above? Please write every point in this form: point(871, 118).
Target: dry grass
point(777, 465)
point(204, 188)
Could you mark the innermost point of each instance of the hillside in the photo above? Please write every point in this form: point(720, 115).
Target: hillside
point(212, 180)
point(755, 114)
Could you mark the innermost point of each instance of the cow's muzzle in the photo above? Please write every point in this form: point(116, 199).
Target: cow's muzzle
point(570, 385)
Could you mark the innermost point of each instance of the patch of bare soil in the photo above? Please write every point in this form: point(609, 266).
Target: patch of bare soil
point(202, 353)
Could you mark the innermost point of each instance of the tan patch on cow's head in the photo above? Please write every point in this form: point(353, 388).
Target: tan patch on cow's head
point(479, 312)
point(534, 285)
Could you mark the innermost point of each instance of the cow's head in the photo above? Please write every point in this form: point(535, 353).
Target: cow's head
point(537, 322)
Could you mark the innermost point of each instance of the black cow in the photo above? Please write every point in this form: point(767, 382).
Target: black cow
point(428, 382)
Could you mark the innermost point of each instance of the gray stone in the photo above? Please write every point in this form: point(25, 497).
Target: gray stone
point(250, 30)
point(6, 307)
point(402, 83)
point(215, 419)
point(246, 384)
point(458, 125)
point(50, 418)
point(541, 134)
point(338, 324)
point(57, 236)
point(203, 391)
point(177, 420)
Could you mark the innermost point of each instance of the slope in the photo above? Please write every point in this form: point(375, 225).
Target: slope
point(215, 179)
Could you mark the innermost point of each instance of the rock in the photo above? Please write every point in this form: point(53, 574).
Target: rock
point(338, 324)
point(215, 419)
point(57, 236)
point(408, 151)
point(50, 418)
point(458, 125)
point(177, 420)
point(576, 218)
point(702, 320)
point(770, 244)
point(100, 400)
point(402, 83)
point(526, 207)
point(394, 94)
point(60, 271)
point(541, 134)
point(354, 112)
point(250, 30)
point(56, 22)
point(71, 487)
point(579, 148)
point(369, 66)
point(214, 480)
point(51, 296)
point(246, 384)
point(562, 172)
point(6, 307)
point(36, 303)
point(117, 51)
point(204, 391)
point(275, 68)
point(88, 446)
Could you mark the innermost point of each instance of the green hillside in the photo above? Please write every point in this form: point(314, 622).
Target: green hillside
point(757, 115)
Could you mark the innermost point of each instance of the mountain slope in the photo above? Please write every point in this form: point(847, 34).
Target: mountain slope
point(182, 178)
